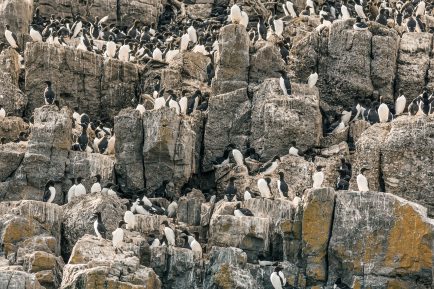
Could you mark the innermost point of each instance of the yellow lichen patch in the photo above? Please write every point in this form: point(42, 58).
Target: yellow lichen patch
point(223, 278)
point(397, 284)
point(409, 242)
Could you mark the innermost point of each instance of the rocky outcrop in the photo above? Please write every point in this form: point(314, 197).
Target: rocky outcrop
point(128, 129)
point(232, 61)
point(31, 235)
point(18, 14)
point(10, 64)
point(265, 63)
point(47, 151)
point(277, 120)
point(169, 147)
point(11, 97)
point(11, 127)
point(10, 278)
point(78, 217)
point(378, 229)
point(98, 86)
point(95, 263)
point(11, 155)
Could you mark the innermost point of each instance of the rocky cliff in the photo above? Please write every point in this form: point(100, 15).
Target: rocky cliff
point(320, 236)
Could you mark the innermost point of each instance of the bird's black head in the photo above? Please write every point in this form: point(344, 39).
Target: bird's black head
point(362, 170)
point(231, 146)
point(268, 180)
point(186, 232)
point(98, 178)
point(121, 223)
point(281, 174)
point(278, 269)
point(48, 83)
point(238, 206)
point(358, 19)
point(232, 179)
point(319, 168)
point(72, 180)
point(79, 179)
point(50, 183)
point(275, 158)
point(247, 188)
point(165, 223)
point(7, 26)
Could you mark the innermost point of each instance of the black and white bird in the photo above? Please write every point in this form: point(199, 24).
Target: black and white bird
point(359, 25)
point(80, 190)
point(293, 150)
point(318, 177)
point(98, 226)
point(413, 107)
point(172, 209)
point(362, 181)
point(153, 241)
point(282, 185)
point(161, 191)
point(277, 278)
point(247, 194)
point(49, 94)
point(231, 191)
point(400, 103)
point(169, 233)
point(312, 79)
point(11, 38)
point(264, 187)
point(242, 212)
point(96, 187)
point(269, 167)
point(118, 236)
point(130, 218)
point(49, 192)
point(71, 191)
point(285, 83)
point(2, 112)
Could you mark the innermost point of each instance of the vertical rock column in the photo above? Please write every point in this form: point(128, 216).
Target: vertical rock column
point(129, 146)
point(229, 107)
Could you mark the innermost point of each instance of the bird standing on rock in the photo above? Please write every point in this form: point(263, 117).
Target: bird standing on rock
point(169, 233)
point(264, 187)
point(96, 187)
point(362, 181)
point(49, 192)
point(118, 236)
point(49, 94)
point(282, 185)
point(98, 226)
point(2, 112)
point(277, 278)
point(11, 37)
point(242, 212)
point(231, 191)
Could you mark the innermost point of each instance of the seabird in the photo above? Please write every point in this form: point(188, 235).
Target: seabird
point(359, 25)
point(49, 192)
point(83, 139)
point(140, 208)
point(130, 219)
point(285, 83)
point(400, 103)
point(169, 233)
point(244, 19)
point(118, 235)
point(71, 192)
point(343, 181)
point(146, 201)
point(313, 78)
point(161, 191)
point(96, 187)
point(183, 105)
point(293, 150)
point(359, 9)
point(247, 194)
point(242, 212)
point(269, 167)
point(153, 241)
point(193, 102)
point(173, 103)
point(99, 227)
point(383, 112)
point(49, 94)
point(262, 30)
point(264, 187)
point(172, 209)
point(231, 190)
point(290, 9)
point(110, 48)
point(413, 107)
point(318, 177)
point(11, 37)
point(238, 156)
point(35, 34)
point(235, 15)
point(2, 112)
point(282, 185)
point(277, 278)
point(362, 182)
point(124, 52)
point(80, 190)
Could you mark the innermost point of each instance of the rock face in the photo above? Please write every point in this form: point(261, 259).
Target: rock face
point(169, 147)
point(378, 228)
point(80, 79)
point(11, 155)
point(47, 153)
point(129, 152)
point(18, 14)
point(373, 66)
point(31, 235)
point(10, 128)
point(12, 99)
point(78, 217)
point(277, 120)
point(95, 263)
point(233, 59)
point(122, 10)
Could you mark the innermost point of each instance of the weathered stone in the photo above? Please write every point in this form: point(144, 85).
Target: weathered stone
point(11, 155)
point(199, 10)
point(10, 278)
point(371, 236)
point(233, 59)
point(47, 150)
point(234, 127)
point(266, 63)
point(11, 97)
point(10, 127)
point(189, 208)
point(98, 86)
point(168, 148)
point(413, 62)
point(277, 119)
point(48, 266)
point(317, 224)
point(18, 14)
point(78, 217)
point(129, 150)
point(10, 64)
point(95, 263)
